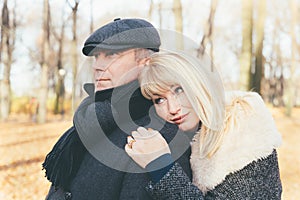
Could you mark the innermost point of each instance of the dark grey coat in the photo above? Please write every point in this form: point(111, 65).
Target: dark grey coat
point(94, 179)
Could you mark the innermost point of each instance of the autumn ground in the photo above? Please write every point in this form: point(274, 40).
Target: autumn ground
point(23, 146)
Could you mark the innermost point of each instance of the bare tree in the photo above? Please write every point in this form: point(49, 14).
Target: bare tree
point(150, 9)
point(8, 38)
point(60, 71)
point(208, 33)
point(43, 94)
point(246, 54)
point(276, 62)
point(290, 90)
point(257, 72)
point(177, 9)
point(74, 44)
point(92, 17)
point(275, 86)
point(160, 14)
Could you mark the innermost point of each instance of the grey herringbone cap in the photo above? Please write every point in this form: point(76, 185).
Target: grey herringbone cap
point(121, 35)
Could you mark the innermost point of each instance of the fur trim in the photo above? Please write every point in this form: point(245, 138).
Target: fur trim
point(254, 138)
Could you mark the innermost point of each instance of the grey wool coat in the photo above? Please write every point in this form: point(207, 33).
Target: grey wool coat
point(257, 181)
point(245, 166)
point(105, 171)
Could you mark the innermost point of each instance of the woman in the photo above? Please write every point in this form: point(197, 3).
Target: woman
point(234, 146)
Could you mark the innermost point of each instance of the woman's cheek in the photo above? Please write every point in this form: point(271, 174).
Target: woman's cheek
point(161, 112)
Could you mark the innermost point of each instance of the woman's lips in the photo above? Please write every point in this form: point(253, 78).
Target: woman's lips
point(178, 120)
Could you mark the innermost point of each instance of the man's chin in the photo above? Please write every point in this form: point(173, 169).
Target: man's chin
point(101, 88)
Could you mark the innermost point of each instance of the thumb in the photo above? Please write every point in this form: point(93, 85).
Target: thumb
point(128, 150)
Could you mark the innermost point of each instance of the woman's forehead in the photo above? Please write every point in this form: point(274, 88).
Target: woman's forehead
point(160, 89)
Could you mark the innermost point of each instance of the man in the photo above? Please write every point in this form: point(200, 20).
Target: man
point(88, 161)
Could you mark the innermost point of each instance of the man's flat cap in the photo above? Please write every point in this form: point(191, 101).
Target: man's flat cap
point(121, 35)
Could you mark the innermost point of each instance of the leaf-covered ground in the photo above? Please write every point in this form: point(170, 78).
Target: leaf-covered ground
point(23, 146)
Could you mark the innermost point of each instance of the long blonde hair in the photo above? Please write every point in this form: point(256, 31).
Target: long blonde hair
point(202, 85)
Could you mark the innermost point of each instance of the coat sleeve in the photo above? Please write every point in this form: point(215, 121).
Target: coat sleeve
point(175, 184)
point(133, 187)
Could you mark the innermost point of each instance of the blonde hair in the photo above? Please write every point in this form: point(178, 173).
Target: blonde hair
point(202, 86)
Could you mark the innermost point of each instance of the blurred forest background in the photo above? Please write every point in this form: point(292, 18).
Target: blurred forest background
point(254, 43)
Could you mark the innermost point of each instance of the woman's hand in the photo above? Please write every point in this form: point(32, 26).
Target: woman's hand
point(145, 146)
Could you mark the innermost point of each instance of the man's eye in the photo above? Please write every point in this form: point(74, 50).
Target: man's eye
point(159, 100)
point(178, 90)
point(112, 53)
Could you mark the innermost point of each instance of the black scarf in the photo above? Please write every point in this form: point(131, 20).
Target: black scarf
point(64, 160)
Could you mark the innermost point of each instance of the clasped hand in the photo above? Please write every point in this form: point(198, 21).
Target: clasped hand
point(145, 146)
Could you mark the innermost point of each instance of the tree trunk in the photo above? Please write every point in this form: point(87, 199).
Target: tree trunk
point(74, 50)
point(160, 14)
point(246, 55)
point(208, 33)
point(60, 74)
point(7, 46)
point(177, 9)
point(92, 17)
point(43, 93)
point(150, 9)
point(256, 77)
point(290, 90)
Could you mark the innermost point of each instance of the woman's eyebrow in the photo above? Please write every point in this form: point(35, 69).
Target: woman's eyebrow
point(174, 86)
point(155, 94)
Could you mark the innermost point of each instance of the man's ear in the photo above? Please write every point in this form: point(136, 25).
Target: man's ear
point(142, 62)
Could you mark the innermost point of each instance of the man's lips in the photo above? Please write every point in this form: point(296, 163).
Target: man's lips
point(102, 79)
point(178, 120)
point(103, 83)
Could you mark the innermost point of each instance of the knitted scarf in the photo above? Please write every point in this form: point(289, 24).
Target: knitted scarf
point(64, 160)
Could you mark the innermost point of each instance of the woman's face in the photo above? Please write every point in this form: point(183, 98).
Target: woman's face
point(174, 107)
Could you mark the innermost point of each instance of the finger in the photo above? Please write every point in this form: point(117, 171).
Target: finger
point(153, 132)
point(129, 138)
point(135, 134)
point(130, 141)
point(143, 132)
point(147, 133)
point(128, 150)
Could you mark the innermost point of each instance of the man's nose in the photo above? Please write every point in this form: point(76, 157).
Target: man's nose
point(101, 63)
point(100, 66)
point(174, 105)
point(98, 73)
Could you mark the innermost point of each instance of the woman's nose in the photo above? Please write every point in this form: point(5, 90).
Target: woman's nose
point(174, 105)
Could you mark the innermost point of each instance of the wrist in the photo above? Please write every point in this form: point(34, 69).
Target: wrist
point(159, 167)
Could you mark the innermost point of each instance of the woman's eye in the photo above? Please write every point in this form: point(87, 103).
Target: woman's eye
point(178, 90)
point(159, 100)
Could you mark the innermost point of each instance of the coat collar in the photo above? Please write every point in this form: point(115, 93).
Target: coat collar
point(254, 138)
point(126, 96)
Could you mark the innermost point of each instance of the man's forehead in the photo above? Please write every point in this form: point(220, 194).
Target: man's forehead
point(109, 51)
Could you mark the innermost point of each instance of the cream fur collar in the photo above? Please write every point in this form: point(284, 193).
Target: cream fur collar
point(254, 138)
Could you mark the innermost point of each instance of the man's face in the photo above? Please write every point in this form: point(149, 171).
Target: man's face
point(112, 69)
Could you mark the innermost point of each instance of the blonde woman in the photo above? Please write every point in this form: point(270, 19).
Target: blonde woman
point(234, 146)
